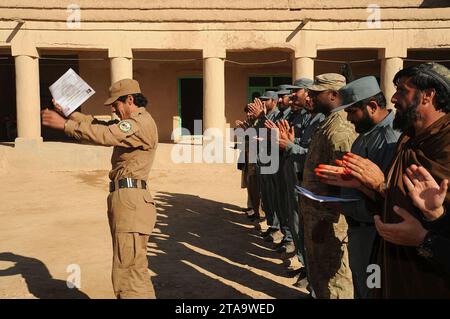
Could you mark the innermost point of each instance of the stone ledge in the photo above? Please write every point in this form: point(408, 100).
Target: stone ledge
point(60, 156)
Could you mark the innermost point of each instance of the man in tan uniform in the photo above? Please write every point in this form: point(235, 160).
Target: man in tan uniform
point(131, 209)
point(325, 229)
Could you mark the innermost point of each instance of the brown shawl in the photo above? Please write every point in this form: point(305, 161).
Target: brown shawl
point(405, 274)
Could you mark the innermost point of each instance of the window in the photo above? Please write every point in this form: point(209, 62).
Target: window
point(257, 85)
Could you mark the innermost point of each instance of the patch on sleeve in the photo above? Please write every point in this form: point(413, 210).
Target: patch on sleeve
point(125, 126)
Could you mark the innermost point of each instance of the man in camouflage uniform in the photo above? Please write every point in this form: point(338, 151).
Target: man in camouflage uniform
point(325, 228)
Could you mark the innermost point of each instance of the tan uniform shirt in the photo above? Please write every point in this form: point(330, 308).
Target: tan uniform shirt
point(135, 141)
point(134, 145)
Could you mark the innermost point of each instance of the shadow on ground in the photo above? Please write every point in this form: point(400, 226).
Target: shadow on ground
point(206, 249)
point(38, 279)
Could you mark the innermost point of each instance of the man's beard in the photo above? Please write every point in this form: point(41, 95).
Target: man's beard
point(319, 108)
point(297, 105)
point(365, 124)
point(404, 120)
point(281, 106)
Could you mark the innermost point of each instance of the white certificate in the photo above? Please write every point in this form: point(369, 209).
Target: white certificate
point(322, 199)
point(70, 91)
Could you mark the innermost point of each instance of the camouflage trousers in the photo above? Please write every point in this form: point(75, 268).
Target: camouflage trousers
point(326, 251)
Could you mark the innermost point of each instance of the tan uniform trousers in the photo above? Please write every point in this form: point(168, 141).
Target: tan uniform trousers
point(132, 216)
point(130, 276)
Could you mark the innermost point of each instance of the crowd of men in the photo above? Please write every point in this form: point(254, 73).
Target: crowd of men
point(391, 237)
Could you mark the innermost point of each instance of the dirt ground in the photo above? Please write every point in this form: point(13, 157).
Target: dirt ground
point(203, 246)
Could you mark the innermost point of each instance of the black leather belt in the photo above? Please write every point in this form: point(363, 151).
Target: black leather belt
point(127, 183)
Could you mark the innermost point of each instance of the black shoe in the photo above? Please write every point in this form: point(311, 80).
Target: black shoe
point(254, 217)
point(250, 213)
point(277, 246)
point(281, 249)
point(295, 272)
point(275, 237)
point(299, 283)
point(301, 274)
point(287, 247)
point(258, 225)
point(268, 232)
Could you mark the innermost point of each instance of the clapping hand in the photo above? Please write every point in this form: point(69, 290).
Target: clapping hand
point(254, 110)
point(286, 131)
point(286, 134)
point(270, 125)
point(336, 176)
point(260, 105)
point(425, 192)
point(257, 108)
point(240, 124)
point(367, 172)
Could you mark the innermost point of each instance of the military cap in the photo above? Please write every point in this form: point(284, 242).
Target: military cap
point(284, 89)
point(121, 88)
point(359, 90)
point(302, 83)
point(328, 81)
point(269, 95)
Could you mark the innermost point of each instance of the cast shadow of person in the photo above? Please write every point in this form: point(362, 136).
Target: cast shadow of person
point(38, 279)
point(434, 4)
point(200, 244)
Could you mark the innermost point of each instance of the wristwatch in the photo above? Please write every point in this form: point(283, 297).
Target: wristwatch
point(425, 249)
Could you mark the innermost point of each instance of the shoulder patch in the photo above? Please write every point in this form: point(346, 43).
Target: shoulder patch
point(125, 126)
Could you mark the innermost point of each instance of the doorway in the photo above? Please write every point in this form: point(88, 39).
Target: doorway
point(257, 85)
point(8, 125)
point(190, 102)
point(51, 68)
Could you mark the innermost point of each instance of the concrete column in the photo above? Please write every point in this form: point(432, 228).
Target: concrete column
point(213, 93)
point(121, 57)
point(176, 126)
point(303, 59)
point(389, 67)
point(303, 67)
point(27, 100)
point(121, 68)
